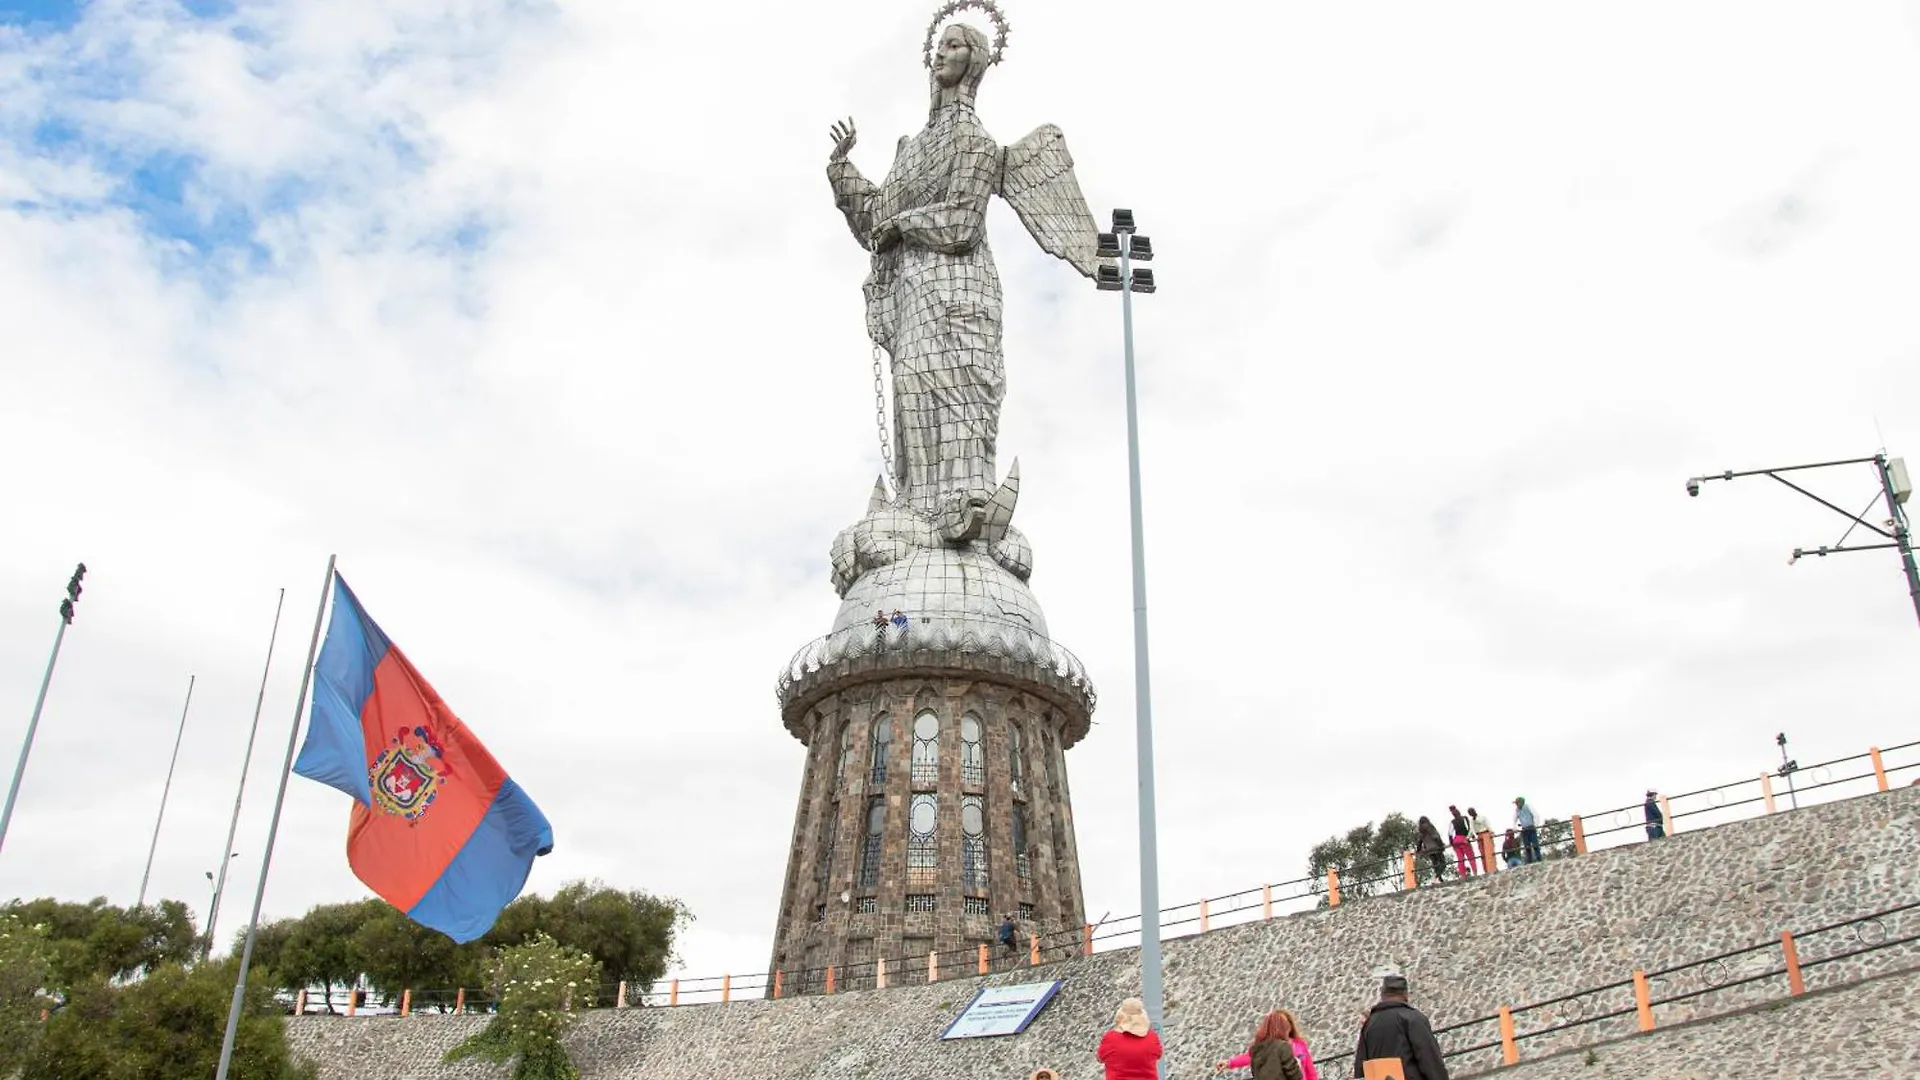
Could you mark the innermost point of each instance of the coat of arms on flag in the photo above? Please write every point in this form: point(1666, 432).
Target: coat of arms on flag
point(407, 775)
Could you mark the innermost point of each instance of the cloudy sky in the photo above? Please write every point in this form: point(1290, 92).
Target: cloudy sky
point(542, 318)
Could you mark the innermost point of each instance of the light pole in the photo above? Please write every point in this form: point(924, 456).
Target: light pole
point(1788, 767)
point(1129, 246)
point(1895, 488)
point(213, 902)
point(165, 789)
point(33, 725)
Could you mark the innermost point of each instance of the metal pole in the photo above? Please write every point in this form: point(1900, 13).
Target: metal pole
point(33, 725)
point(273, 830)
point(147, 874)
point(233, 826)
point(1150, 981)
point(1901, 536)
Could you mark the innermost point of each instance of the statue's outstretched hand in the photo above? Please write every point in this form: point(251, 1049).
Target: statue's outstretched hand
point(843, 139)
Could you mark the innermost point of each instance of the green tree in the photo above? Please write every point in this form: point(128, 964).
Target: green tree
point(630, 933)
point(539, 985)
point(1556, 838)
point(395, 954)
point(168, 1024)
point(1367, 856)
point(26, 963)
point(319, 950)
point(98, 939)
point(269, 951)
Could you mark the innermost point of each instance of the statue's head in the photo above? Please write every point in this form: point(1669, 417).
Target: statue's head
point(958, 54)
point(960, 57)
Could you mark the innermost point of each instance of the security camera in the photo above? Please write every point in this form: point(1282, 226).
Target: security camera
point(1693, 486)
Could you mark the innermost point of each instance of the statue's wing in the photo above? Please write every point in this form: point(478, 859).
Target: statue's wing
point(1036, 179)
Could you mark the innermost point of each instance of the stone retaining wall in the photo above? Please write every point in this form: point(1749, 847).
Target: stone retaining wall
point(1863, 1031)
point(1469, 947)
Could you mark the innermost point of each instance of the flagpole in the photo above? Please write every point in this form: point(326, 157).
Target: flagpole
point(246, 763)
point(146, 874)
point(273, 829)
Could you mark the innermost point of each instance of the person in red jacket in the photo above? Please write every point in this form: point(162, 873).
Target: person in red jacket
point(1131, 1051)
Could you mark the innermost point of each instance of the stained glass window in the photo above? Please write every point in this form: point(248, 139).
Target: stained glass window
point(878, 742)
point(923, 850)
point(926, 749)
point(973, 844)
point(973, 756)
point(1022, 865)
point(870, 848)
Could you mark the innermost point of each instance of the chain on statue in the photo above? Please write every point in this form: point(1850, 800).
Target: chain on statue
point(880, 413)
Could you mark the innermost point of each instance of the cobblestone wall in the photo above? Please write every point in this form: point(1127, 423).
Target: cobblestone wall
point(1865, 1031)
point(1512, 938)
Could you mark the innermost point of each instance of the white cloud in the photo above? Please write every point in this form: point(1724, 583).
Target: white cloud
point(1451, 304)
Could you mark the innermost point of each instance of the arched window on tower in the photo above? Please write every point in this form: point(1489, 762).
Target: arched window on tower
point(973, 844)
point(879, 741)
point(1022, 862)
point(846, 752)
point(870, 845)
point(829, 831)
point(973, 756)
point(926, 749)
point(1016, 756)
point(923, 861)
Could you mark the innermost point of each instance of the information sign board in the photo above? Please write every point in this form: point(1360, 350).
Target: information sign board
point(1001, 1010)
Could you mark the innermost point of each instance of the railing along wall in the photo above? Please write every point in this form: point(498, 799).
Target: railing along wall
point(1691, 811)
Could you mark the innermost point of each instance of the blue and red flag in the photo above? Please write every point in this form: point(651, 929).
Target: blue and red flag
point(439, 830)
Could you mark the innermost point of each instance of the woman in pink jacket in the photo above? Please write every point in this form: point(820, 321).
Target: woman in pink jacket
point(1278, 1023)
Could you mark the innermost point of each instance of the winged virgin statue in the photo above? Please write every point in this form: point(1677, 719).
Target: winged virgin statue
point(933, 299)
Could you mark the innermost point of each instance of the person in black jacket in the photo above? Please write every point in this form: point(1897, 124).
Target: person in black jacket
point(1395, 1029)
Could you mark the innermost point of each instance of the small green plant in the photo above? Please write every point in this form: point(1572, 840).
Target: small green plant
point(539, 986)
point(1593, 1056)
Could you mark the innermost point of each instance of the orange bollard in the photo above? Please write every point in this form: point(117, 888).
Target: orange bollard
point(983, 958)
point(1879, 770)
point(1766, 790)
point(1642, 1000)
point(1579, 836)
point(880, 974)
point(406, 1003)
point(1666, 815)
point(620, 995)
point(933, 967)
point(1509, 1049)
point(829, 978)
point(1796, 984)
point(460, 1000)
point(300, 1003)
point(1407, 870)
point(1086, 941)
point(1203, 916)
point(1033, 950)
point(726, 988)
point(777, 983)
point(1333, 887)
point(1266, 901)
point(1486, 853)
point(673, 992)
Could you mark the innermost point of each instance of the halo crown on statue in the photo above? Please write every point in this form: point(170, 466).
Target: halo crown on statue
point(954, 7)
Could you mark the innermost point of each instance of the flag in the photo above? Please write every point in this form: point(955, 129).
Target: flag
point(439, 830)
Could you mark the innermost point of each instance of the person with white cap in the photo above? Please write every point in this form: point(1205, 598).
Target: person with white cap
point(1131, 1051)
